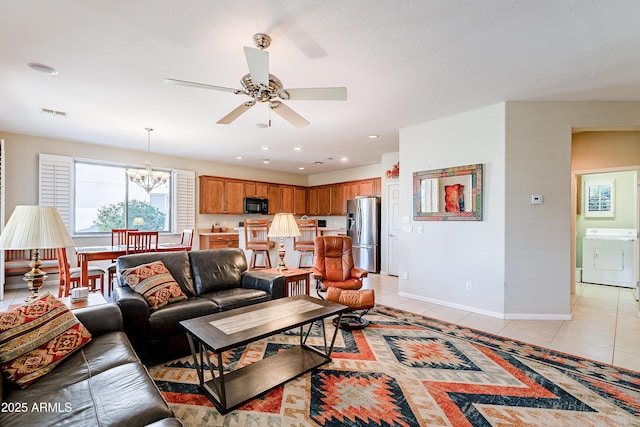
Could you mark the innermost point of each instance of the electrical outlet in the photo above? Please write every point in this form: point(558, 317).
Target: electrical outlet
point(405, 275)
point(468, 286)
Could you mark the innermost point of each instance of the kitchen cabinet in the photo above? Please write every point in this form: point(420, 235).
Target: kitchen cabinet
point(287, 199)
point(275, 199)
point(312, 201)
point(299, 201)
point(338, 205)
point(258, 190)
point(211, 195)
point(220, 195)
point(219, 241)
point(324, 200)
point(234, 196)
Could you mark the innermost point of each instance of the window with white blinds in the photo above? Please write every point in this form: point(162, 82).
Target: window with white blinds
point(185, 205)
point(55, 185)
point(57, 188)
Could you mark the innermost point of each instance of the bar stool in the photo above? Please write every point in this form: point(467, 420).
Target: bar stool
point(304, 244)
point(256, 240)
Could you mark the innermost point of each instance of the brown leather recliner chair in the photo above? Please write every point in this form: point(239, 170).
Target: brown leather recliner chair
point(335, 273)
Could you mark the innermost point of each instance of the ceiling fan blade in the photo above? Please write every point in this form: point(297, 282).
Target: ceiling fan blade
point(288, 114)
point(201, 85)
point(315, 94)
point(236, 113)
point(258, 62)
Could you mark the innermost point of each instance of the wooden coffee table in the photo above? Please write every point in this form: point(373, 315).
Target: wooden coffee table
point(297, 280)
point(223, 331)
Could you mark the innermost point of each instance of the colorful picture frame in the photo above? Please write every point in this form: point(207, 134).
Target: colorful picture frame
point(449, 194)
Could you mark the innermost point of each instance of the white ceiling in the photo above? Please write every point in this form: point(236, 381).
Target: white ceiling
point(403, 62)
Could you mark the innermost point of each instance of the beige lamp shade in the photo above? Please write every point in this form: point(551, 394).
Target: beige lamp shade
point(284, 225)
point(35, 227)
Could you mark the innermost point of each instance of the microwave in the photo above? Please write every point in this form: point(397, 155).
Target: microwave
point(256, 206)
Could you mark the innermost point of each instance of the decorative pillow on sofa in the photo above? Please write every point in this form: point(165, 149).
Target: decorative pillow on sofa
point(36, 337)
point(155, 283)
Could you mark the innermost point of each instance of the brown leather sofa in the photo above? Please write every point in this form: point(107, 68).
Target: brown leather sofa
point(214, 280)
point(102, 384)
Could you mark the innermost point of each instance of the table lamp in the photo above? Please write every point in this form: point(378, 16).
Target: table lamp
point(284, 225)
point(34, 228)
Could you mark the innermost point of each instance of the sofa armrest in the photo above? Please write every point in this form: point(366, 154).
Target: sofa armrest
point(100, 319)
point(135, 313)
point(269, 282)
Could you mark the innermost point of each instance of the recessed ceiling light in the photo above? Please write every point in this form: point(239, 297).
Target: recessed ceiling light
point(239, 157)
point(42, 68)
point(301, 168)
point(265, 148)
point(373, 136)
point(265, 161)
point(343, 159)
point(297, 148)
point(318, 162)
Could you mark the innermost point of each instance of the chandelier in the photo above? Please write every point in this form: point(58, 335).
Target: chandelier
point(147, 178)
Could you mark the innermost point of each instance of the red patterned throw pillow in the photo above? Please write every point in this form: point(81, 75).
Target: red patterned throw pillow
point(36, 337)
point(154, 282)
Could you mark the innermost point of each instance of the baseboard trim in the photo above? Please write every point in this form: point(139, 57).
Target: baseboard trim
point(496, 314)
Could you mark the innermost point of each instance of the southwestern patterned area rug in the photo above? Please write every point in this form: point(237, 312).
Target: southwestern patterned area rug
point(410, 370)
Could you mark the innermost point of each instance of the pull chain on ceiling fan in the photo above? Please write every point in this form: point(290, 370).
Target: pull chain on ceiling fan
point(261, 86)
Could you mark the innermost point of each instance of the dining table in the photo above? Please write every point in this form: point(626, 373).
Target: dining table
point(104, 253)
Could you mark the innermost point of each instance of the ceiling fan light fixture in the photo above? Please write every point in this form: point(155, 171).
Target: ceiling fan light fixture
point(147, 178)
point(262, 86)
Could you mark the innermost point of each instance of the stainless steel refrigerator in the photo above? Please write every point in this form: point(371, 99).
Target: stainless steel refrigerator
point(363, 226)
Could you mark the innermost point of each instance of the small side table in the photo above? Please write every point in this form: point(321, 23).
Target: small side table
point(95, 298)
point(297, 280)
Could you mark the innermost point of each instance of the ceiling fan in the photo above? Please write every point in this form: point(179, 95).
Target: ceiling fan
point(262, 86)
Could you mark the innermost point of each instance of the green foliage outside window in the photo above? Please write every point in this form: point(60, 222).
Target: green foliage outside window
point(112, 216)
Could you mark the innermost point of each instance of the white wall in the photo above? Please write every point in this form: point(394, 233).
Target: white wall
point(448, 254)
point(539, 242)
point(520, 257)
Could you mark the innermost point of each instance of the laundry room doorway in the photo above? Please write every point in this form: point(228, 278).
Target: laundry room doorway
point(606, 228)
point(605, 172)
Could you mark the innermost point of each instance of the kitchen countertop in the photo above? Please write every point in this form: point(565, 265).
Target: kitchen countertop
point(218, 233)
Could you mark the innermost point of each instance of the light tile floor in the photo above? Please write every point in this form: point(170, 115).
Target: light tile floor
point(605, 326)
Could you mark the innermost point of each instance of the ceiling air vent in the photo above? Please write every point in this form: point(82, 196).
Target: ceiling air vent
point(54, 113)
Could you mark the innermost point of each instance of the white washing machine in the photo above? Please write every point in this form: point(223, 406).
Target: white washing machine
point(608, 256)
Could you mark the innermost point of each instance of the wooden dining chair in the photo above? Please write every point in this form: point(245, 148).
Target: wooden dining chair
point(304, 243)
point(186, 239)
point(70, 276)
point(118, 238)
point(142, 241)
point(257, 241)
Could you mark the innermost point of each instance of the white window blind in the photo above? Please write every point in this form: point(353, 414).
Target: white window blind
point(185, 206)
point(56, 185)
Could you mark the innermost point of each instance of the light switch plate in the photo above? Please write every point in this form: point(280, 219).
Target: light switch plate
point(406, 229)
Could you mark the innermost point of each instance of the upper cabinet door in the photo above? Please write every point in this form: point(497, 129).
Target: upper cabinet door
point(211, 195)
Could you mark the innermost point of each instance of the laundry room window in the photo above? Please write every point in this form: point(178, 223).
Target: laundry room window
point(600, 199)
